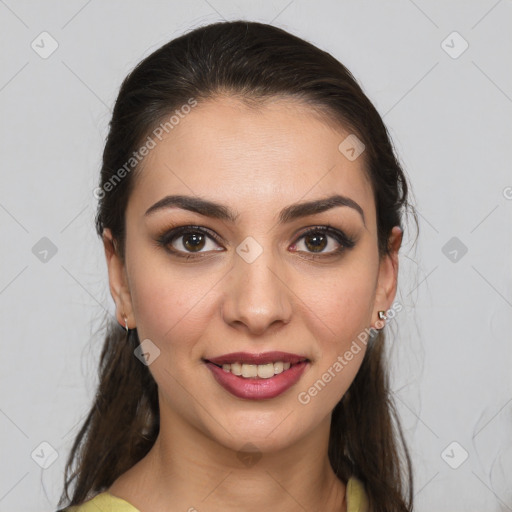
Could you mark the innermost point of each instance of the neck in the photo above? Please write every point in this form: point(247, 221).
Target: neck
point(189, 471)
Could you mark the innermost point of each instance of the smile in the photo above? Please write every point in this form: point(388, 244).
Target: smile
point(257, 376)
point(262, 371)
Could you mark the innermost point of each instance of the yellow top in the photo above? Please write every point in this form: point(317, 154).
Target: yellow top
point(357, 501)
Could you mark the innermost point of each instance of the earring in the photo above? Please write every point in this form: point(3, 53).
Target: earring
point(126, 324)
point(382, 317)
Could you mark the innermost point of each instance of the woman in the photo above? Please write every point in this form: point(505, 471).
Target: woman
point(250, 208)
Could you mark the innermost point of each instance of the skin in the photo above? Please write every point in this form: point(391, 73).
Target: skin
point(256, 161)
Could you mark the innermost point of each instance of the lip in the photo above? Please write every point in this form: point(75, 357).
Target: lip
point(262, 358)
point(256, 388)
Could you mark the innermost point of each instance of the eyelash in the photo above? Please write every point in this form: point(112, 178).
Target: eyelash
point(164, 240)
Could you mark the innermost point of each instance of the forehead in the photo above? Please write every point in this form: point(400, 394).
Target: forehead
point(254, 159)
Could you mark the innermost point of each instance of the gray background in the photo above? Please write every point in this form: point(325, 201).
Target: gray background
point(449, 114)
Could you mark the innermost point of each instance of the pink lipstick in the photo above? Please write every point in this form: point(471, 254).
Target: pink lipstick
point(257, 376)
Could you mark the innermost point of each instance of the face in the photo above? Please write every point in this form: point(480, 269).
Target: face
point(256, 275)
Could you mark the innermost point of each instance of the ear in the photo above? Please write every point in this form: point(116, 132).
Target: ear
point(388, 274)
point(118, 281)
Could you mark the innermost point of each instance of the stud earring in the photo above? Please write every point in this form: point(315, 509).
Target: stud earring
point(382, 317)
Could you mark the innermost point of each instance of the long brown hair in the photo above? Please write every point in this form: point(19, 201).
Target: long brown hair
point(251, 61)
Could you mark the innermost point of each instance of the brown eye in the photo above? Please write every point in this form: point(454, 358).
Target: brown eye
point(323, 241)
point(316, 242)
point(193, 241)
point(188, 241)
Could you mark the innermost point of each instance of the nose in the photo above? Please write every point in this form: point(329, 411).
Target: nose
point(258, 296)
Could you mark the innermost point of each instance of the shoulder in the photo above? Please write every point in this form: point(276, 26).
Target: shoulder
point(105, 502)
point(357, 500)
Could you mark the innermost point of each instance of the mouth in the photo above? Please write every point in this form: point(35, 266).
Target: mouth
point(257, 366)
point(257, 376)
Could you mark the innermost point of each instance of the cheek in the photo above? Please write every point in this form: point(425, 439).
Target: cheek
point(338, 313)
point(338, 305)
point(169, 302)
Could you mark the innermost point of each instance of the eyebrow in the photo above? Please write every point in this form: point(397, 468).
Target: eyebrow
point(219, 211)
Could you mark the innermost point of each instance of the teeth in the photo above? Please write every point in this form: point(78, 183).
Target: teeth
point(236, 368)
point(278, 367)
point(263, 371)
point(249, 370)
